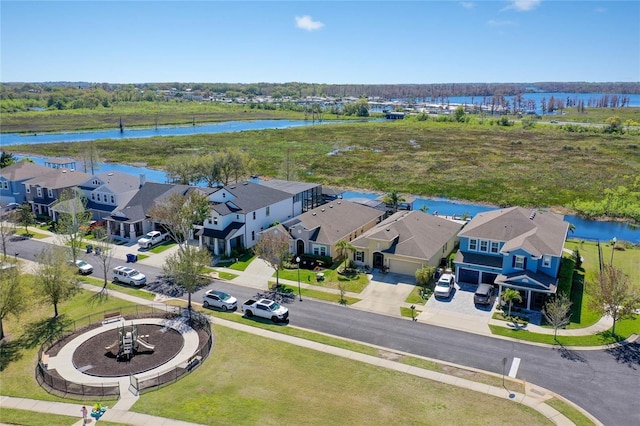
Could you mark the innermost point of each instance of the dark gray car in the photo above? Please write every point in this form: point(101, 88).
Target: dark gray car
point(483, 294)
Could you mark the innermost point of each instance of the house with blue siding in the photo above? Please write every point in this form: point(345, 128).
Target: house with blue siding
point(12, 178)
point(513, 248)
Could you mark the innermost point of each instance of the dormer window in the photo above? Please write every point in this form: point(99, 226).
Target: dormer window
point(519, 262)
point(28, 189)
point(546, 261)
point(39, 191)
point(113, 199)
point(93, 196)
point(50, 193)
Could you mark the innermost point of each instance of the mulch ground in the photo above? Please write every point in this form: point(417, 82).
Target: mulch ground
point(92, 358)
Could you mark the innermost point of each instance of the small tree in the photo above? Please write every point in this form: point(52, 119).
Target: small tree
point(7, 230)
point(424, 274)
point(187, 268)
point(509, 295)
point(103, 248)
point(614, 295)
point(73, 220)
point(12, 294)
point(24, 216)
point(55, 277)
point(273, 247)
point(393, 199)
point(557, 311)
point(344, 248)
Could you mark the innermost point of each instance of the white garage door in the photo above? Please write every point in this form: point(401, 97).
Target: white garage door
point(403, 267)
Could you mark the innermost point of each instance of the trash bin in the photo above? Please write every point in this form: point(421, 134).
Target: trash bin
point(131, 258)
point(89, 248)
point(98, 250)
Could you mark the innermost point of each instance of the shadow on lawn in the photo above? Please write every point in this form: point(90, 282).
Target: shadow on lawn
point(38, 332)
point(10, 352)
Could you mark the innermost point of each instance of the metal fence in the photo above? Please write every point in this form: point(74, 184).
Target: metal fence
point(57, 385)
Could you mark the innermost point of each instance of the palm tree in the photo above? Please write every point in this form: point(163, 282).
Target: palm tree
point(509, 295)
point(344, 248)
point(393, 199)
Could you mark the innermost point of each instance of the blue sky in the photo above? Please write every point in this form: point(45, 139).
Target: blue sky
point(334, 42)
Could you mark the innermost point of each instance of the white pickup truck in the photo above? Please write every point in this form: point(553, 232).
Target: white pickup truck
point(265, 308)
point(152, 238)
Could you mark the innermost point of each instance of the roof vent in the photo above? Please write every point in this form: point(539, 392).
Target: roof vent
point(330, 206)
point(321, 210)
point(110, 174)
point(339, 202)
point(245, 183)
point(64, 171)
point(313, 214)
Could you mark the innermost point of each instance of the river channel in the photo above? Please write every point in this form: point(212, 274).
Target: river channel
point(584, 229)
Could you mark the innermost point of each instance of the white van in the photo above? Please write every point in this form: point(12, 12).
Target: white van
point(124, 274)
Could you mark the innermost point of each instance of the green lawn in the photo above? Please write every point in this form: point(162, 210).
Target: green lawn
point(320, 295)
point(21, 417)
point(321, 389)
point(353, 283)
point(166, 245)
point(122, 288)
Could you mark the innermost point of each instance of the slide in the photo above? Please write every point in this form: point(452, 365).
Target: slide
point(111, 346)
point(145, 344)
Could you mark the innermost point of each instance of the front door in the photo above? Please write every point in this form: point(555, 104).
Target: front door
point(378, 260)
point(299, 247)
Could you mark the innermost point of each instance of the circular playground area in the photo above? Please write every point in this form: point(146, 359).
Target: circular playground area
point(156, 345)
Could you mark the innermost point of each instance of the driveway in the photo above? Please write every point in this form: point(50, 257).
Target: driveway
point(385, 293)
point(458, 311)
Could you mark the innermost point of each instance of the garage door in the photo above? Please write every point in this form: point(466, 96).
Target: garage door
point(405, 268)
point(468, 276)
point(488, 277)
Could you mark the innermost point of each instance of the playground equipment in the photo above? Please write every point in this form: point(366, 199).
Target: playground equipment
point(128, 341)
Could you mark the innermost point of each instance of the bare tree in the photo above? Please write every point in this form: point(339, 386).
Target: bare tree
point(179, 212)
point(73, 220)
point(103, 248)
point(274, 247)
point(7, 230)
point(614, 295)
point(56, 278)
point(12, 294)
point(557, 311)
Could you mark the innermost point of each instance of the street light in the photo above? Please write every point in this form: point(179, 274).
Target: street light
point(613, 246)
point(298, 262)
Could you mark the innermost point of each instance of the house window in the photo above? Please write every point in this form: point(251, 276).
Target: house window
point(5, 185)
point(215, 220)
point(50, 193)
point(113, 199)
point(484, 245)
point(253, 235)
point(519, 262)
point(473, 244)
point(28, 189)
point(359, 256)
point(546, 261)
point(254, 215)
point(39, 191)
point(237, 217)
point(267, 210)
point(495, 246)
point(93, 196)
point(319, 250)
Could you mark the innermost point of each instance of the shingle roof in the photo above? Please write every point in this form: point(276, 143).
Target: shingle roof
point(335, 220)
point(537, 232)
point(116, 182)
point(415, 234)
point(290, 187)
point(24, 170)
point(60, 178)
point(136, 209)
point(250, 197)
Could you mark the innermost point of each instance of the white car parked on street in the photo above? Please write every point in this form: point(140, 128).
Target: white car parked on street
point(220, 300)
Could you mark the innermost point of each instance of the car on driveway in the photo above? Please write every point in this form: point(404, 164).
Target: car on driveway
point(444, 286)
point(483, 294)
point(220, 300)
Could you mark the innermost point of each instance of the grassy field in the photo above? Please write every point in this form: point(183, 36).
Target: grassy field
point(278, 383)
point(12, 416)
point(543, 166)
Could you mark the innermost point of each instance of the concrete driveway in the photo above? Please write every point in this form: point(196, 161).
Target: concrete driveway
point(385, 293)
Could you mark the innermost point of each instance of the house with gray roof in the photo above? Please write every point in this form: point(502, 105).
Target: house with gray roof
point(516, 248)
point(131, 221)
point(43, 191)
point(12, 178)
point(239, 212)
point(108, 192)
point(317, 231)
point(306, 196)
point(407, 241)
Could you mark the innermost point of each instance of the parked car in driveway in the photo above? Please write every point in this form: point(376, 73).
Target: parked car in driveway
point(220, 300)
point(444, 286)
point(483, 294)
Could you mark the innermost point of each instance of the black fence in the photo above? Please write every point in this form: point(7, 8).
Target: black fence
point(51, 381)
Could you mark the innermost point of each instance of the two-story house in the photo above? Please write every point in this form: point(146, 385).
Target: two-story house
point(12, 178)
point(318, 230)
point(107, 192)
point(516, 248)
point(43, 191)
point(407, 241)
point(239, 212)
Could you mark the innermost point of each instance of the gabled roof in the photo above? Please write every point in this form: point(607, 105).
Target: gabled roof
point(333, 221)
point(116, 182)
point(414, 234)
point(528, 279)
point(59, 179)
point(250, 197)
point(136, 209)
point(23, 170)
point(536, 232)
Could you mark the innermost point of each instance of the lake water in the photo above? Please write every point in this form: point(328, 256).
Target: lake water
point(585, 229)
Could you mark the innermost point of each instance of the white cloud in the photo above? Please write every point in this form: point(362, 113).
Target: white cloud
point(467, 4)
point(494, 23)
point(523, 5)
point(307, 23)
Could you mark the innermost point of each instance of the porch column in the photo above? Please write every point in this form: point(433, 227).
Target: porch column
point(227, 247)
point(528, 299)
point(216, 251)
point(200, 242)
point(122, 229)
point(132, 231)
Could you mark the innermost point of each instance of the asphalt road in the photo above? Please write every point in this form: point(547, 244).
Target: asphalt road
point(605, 382)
